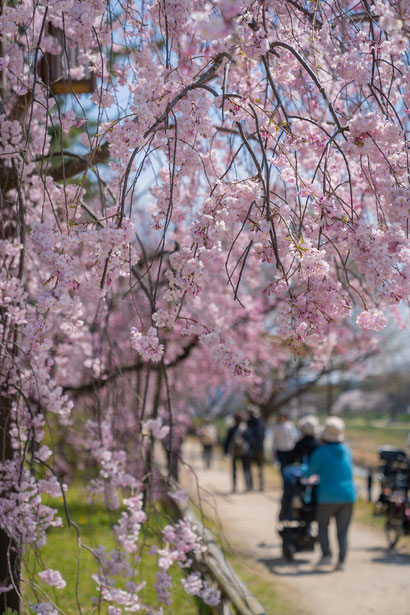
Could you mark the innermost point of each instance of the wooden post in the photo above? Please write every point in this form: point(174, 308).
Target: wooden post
point(55, 70)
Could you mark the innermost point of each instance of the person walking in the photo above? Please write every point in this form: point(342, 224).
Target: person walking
point(298, 458)
point(209, 437)
point(238, 445)
point(335, 493)
point(256, 429)
point(309, 442)
point(284, 439)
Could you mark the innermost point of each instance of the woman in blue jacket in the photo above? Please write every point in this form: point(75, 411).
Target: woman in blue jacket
point(336, 493)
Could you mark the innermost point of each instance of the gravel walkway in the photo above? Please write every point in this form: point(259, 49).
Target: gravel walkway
point(375, 582)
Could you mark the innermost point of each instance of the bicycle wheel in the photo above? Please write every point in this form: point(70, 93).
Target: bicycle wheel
point(393, 530)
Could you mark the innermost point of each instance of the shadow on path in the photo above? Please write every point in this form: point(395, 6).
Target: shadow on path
point(389, 557)
point(281, 567)
point(384, 555)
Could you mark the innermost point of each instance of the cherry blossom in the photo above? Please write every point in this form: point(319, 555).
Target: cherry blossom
point(230, 191)
point(52, 578)
point(372, 320)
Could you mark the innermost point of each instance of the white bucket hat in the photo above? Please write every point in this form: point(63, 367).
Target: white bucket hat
point(308, 425)
point(334, 430)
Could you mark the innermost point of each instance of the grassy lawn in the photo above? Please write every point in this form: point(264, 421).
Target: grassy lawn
point(365, 436)
point(381, 431)
point(259, 582)
point(62, 553)
point(363, 513)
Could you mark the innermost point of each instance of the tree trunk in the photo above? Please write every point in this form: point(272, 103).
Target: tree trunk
point(10, 557)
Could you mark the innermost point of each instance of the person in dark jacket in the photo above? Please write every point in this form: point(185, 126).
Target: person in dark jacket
point(238, 445)
point(336, 492)
point(300, 455)
point(309, 442)
point(256, 429)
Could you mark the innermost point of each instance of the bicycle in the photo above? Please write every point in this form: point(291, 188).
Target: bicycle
point(394, 498)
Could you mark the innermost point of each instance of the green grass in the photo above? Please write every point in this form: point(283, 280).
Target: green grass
point(62, 553)
point(380, 432)
point(259, 582)
point(77, 565)
point(363, 513)
point(365, 436)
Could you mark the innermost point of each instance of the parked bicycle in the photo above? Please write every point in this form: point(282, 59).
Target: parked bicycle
point(393, 502)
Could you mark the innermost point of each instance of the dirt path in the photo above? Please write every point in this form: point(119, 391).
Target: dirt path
point(375, 582)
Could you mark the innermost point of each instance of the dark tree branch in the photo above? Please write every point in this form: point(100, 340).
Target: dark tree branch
point(80, 165)
point(108, 377)
point(9, 178)
point(199, 83)
point(276, 401)
point(314, 79)
point(311, 16)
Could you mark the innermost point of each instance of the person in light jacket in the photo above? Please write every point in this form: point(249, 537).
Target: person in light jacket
point(336, 493)
point(284, 439)
point(208, 435)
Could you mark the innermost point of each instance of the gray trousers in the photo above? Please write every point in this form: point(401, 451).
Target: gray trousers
point(342, 511)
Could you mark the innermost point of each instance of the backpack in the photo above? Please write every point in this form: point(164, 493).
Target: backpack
point(209, 435)
point(239, 444)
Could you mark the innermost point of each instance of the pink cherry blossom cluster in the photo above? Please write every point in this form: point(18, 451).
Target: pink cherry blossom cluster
point(224, 353)
point(147, 345)
point(181, 539)
point(372, 320)
point(12, 292)
point(22, 515)
point(44, 608)
point(128, 527)
point(195, 586)
point(162, 585)
point(11, 138)
point(112, 464)
point(52, 578)
point(127, 599)
point(157, 428)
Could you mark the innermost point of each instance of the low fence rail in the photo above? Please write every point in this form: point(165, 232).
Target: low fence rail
point(236, 599)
